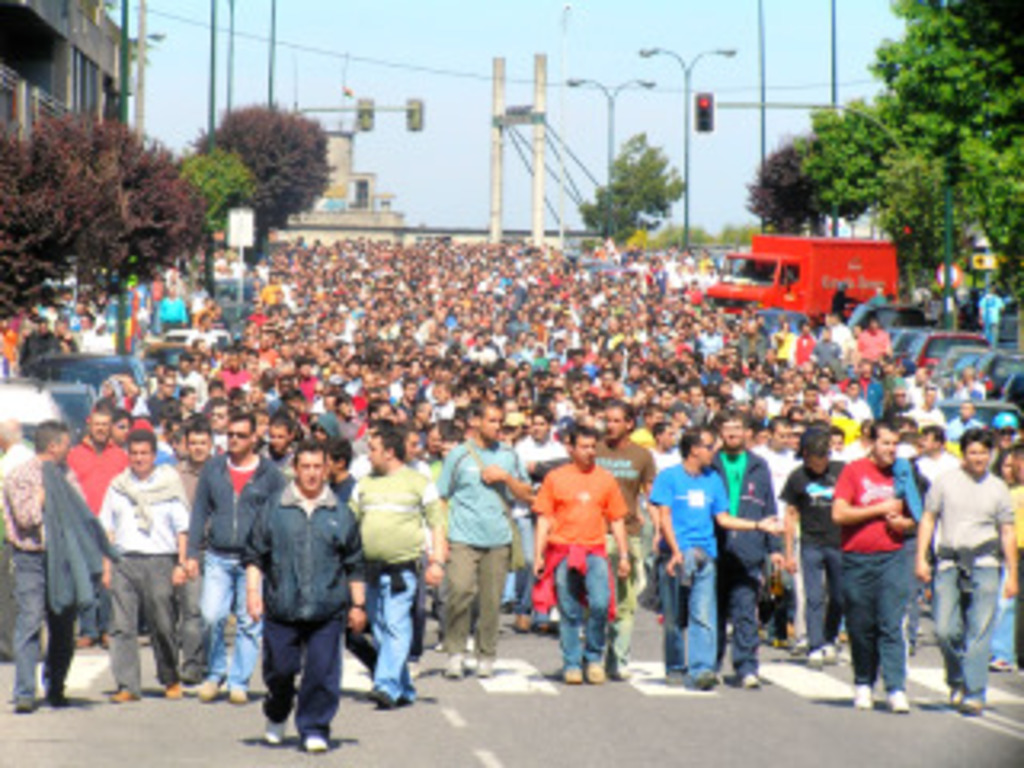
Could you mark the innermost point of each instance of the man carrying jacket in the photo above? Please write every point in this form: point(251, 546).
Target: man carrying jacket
point(304, 570)
point(232, 490)
point(744, 541)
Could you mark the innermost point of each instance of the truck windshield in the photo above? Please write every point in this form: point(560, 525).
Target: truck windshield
point(750, 272)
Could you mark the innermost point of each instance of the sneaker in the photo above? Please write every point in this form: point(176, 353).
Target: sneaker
point(315, 745)
point(124, 696)
point(619, 675)
point(706, 681)
point(751, 682)
point(522, 624)
point(455, 670)
point(1000, 665)
point(485, 668)
point(862, 698)
point(573, 676)
point(208, 691)
point(799, 648)
point(24, 706)
point(238, 696)
point(972, 707)
point(898, 703)
point(273, 734)
point(173, 691)
point(956, 696)
point(414, 670)
point(816, 659)
point(382, 699)
point(595, 674)
point(831, 654)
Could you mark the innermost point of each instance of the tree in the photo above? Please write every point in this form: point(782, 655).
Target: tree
point(223, 181)
point(287, 155)
point(843, 158)
point(643, 189)
point(783, 195)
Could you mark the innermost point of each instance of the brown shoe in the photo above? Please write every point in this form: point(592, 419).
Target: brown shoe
point(124, 696)
point(595, 674)
point(573, 676)
point(173, 691)
point(84, 642)
point(238, 696)
point(208, 691)
point(105, 640)
point(522, 624)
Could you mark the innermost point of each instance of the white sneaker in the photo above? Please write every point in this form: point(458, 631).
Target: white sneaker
point(315, 744)
point(274, 733)
point(831, 654)
point(455, 669)
point(751, 682)
point(862, 697)
point(485, 668)
point(414, 669)
point(898, 703)
point(816, 659)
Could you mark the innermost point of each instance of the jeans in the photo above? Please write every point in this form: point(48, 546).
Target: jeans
point(143, 582)
point(524, 576)
point(391, 616)
point(223, 594)
point(574, 589)
point(822, 566)
point(690, 613)
point(875, 588)
point(8, 608)
point(314, 649)
point(474, 573)
point(620, 633)
point(963, 626)
point(30, 596)
point(916, 592)
point(1002, 636)
point(737, 603)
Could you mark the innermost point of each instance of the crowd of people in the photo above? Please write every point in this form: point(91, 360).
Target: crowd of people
point(452, 432)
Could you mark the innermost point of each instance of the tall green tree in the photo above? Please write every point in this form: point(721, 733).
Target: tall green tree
point(643, 188)
point(223, 181)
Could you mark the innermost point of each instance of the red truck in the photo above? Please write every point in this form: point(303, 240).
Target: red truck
point(802, 274)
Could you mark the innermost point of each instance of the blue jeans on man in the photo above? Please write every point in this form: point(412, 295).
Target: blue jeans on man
point(690, 613)
point(1003, 642)
point(224, 594)
point(573, 589)
point(30, 596)
point(822, 565)
point(963, 626)
point(524, 576)
point(314, 649)
point(875, 590)
point(389, 603)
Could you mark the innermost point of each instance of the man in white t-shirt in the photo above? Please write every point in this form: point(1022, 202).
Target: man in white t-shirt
point(929, 413)
point(934, 460)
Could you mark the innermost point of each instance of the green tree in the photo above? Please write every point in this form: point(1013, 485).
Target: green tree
point(223, 181)
point(843, 158)
point(738, 234)
point(643, 189)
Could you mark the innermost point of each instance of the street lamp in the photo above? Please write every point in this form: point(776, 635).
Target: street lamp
point(610, 94)
point(687, 72)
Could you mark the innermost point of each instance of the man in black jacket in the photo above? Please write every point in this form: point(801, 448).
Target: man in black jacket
point(232, 490)
point(304, 572)
point(742, 548)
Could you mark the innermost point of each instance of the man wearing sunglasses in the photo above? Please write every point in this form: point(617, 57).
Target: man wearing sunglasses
point(232, 490)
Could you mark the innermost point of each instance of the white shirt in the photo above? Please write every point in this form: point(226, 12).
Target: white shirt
point(529, 450)
point(923, 417)
point(665, 460)
point(931, 468)
point(170, 518)
point(780, 464)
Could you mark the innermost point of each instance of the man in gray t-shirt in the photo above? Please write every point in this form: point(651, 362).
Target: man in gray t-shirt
point(976, 513)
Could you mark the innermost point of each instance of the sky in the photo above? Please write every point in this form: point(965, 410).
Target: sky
point(441, 51)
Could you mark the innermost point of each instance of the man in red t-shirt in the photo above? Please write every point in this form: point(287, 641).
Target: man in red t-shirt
point(95, 462)
point(876, 579)
point(575, 506)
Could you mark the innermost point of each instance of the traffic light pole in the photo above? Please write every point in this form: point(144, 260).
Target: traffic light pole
point(686, 156)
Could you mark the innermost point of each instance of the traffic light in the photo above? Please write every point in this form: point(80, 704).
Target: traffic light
point(705, 112)
point(364, 115)
point(414, 115)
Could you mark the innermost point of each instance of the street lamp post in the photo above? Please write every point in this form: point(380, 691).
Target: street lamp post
point(687, 72)
point(211, 137)
point(273, 53)
point(231, 55)
point(611, 94)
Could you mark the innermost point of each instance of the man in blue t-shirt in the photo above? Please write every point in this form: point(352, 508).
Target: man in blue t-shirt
point(688, 500)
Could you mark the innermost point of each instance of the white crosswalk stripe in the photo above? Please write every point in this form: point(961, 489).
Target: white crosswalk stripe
point(814, 685)
point(354, 677)
point(649, 679)
point(85, 670)
point(518, 677)
point(934, 679)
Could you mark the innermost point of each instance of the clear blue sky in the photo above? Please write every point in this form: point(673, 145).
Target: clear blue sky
point(441, 176)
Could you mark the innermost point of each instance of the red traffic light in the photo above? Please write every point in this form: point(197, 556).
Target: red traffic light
point(703, 102)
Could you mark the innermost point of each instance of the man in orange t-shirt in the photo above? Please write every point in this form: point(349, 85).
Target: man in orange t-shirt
point(575, 505)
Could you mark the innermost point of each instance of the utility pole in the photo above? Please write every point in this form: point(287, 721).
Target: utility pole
point(122, 338)
point(762, 76)
point(273, 53)
point(540, 101)
point(497, 149)
point(835, 103)
point(211, 138)
point(231, 54)
point(140, 72)
point(561, 130)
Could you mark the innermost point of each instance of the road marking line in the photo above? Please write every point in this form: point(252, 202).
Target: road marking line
point(487, 759)
point(85, 669)
point(934, 678)
point(518, 677)
point(806, 683)
point(453, 717)
point(648, 677)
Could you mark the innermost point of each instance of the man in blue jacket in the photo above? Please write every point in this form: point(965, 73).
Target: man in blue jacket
point(305, 573)
point(232, 490)
point(744, 545)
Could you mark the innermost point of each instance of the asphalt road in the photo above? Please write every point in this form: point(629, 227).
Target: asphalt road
point(526, 717)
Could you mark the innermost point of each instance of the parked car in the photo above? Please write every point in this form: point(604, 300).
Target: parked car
point(162, 353)
point(1013, 392)
point(985, 410)
point(889, 316)
point(27, 402)
point(216, 338)
point(948, 371)
point(86, 369)
point(931, 348)
point(994, 368)
point(75, 401)
point(903, 339)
